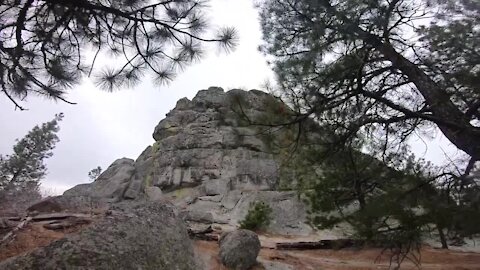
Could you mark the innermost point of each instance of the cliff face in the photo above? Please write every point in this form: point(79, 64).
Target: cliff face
point(209, 162)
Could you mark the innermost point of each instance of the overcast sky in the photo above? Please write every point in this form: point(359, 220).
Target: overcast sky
point(105, 126)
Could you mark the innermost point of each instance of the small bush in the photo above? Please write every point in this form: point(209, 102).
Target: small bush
point(258, 216)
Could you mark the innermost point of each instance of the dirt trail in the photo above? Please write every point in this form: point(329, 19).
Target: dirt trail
point(343, 259)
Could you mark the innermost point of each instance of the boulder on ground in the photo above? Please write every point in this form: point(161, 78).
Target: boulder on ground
point(239, 249)
point(133, 236)
point(47, 205)
point(110, 185)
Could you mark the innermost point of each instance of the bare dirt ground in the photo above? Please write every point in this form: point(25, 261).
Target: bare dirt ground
point(31, 237)
point(34, 235)
point(343, 259)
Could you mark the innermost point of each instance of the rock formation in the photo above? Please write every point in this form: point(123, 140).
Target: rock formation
point(133, 236)
point(209, 162)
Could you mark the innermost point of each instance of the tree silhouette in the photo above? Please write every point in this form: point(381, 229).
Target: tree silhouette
point(93, 174)
point(45, 44)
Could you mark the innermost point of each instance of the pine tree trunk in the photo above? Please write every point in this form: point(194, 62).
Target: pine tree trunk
point(443, 239)
point(453, 123)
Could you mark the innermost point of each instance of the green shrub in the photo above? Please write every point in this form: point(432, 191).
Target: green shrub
point(258, 216)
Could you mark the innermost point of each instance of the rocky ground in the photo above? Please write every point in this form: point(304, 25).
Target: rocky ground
point(34, 235)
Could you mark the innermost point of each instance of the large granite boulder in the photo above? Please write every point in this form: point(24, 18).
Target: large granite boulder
point(210, 162)
point(110, 185)
point(239, 249)
point(133, 236)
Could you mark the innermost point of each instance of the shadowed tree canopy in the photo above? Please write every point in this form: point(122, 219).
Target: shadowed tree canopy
point(386, 68)
point(45, 45)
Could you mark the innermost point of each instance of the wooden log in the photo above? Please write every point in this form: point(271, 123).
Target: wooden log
point(66, 223)
point(12, 218)
point(58, 216)
point(11, 234)
point(322, 244)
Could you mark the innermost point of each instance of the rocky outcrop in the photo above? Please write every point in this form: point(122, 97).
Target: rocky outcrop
point(133, 236)
point(239, 249)
point(110, 185)
point(209, 162)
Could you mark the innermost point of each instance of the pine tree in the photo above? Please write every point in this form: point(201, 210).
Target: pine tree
point(44, 44)
point(373, 73)
point(23, 170)
point(95, 173)
point(380, 66)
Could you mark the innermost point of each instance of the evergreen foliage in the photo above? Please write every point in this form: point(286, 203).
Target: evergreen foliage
point(95, 173)
point(371, 74)
point(394, 202)
point(379, 66)
point(23, 170)
point(45, 44)
point(258, 216)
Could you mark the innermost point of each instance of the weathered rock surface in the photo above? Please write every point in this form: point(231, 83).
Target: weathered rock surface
point(239, 249)
point(45, 206)
point(209, 162)
point(134, 236)
point(110, 185)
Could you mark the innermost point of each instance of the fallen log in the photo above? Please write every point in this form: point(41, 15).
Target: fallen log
point(66, 223)
point(207, 237)
point(58, 216)
point(12, 218)
point(11, 234)
point(322, 244)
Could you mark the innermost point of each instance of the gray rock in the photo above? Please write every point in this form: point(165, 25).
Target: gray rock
point(110, 185)
point(209, 163)
point(46, 205)
point(153, 193)
point(79, 190)
point(216, 186)
point(288, 216)
point(138, 236)
point(71, 203)
point(198, 216)
point(195, 145)
point(239, 249)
